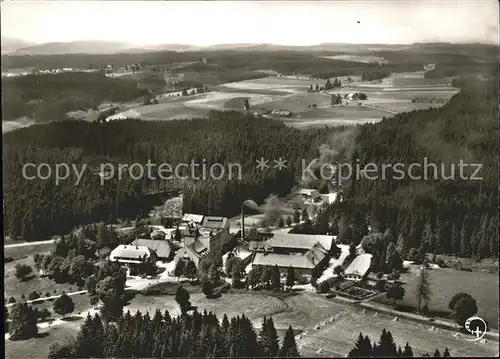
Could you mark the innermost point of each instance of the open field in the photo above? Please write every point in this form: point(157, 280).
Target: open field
point(15, 288)
point(38, 348)
point(336, 339)
point(306, 310)
point(392, 94)
point(24, 251)
point(15, 124)
point(357, 58)
point(447, 282)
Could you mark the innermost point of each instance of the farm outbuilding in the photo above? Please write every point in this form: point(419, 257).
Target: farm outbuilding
point(359, 268)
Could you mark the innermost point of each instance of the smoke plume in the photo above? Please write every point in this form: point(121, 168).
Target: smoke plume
point(337, 149)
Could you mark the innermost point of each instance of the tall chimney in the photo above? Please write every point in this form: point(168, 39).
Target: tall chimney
point(242, 224)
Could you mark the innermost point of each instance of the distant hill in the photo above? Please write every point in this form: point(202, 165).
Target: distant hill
point(162, 47)
point(10, 44)
point(19, 47)
point(74, 47)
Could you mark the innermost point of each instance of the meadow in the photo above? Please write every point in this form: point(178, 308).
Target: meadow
point(335, 339)
point(447, 282)
point(306, 311)
point(38, 348)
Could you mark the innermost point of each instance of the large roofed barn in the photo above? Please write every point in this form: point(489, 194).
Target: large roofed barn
point(131, 254)
point(160, 247)
point(305, 253)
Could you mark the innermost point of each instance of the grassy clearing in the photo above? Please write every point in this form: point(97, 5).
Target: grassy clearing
point(447, 282)
point(25, 251)
point(357, 58)
point(337, 338)
point(416, 81)
point(236, 103)
point(167, 111)
point(82, 304)
point(15, 288)
point(39, 347)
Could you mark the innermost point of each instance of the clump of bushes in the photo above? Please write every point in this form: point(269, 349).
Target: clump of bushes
point(33, 295)
point(323, 287)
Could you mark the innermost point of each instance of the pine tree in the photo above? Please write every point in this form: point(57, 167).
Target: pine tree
point(275, 278)
point(182, 298)
point(464, 239)
point(423, 287)
point(386, 346)
point(446, 353)
point(269, 339)
point(437, 354)
point(23, 322)
point(290, 277)
point(289, 346)
point(408, 352)
point(179, 269)
point(427, 238)
point(362, 348)
point(455, 239)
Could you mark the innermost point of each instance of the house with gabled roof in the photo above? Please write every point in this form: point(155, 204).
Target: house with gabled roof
point(160, 247)
point(307, 254)
point(359, 267)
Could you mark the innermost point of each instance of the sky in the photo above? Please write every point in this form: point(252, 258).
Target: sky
point(218, 22)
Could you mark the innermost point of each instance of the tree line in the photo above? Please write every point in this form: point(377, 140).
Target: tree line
point(386, 348)
point(187, 336)
point(48, 97)
point(223, 138)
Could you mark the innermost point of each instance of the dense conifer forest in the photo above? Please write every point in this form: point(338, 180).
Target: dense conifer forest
point(197, 335)
point(443, 216)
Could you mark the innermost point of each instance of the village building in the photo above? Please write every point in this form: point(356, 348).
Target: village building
point(161, 248)
point(133, 256)
point(194, 250)
point(309, 195)
point(359, 268)
point(246, 255)
point(308, 255)
point(213, 233)
point(157, 235)
point(190, 218)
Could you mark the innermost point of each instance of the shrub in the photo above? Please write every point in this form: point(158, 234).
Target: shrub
point(12, 300)
point(323, 287)
point(33, 295)
point(380, 285)
point(23, 271)
point(425, 309)
point(47, 294)
point(8, 259)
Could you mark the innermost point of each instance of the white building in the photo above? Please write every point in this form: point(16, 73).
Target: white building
point(132, 254)
point(359, 267)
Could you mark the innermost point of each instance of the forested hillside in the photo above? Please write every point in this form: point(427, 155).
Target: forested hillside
point(35, 209)
point(452, 216)
point(49, 97)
